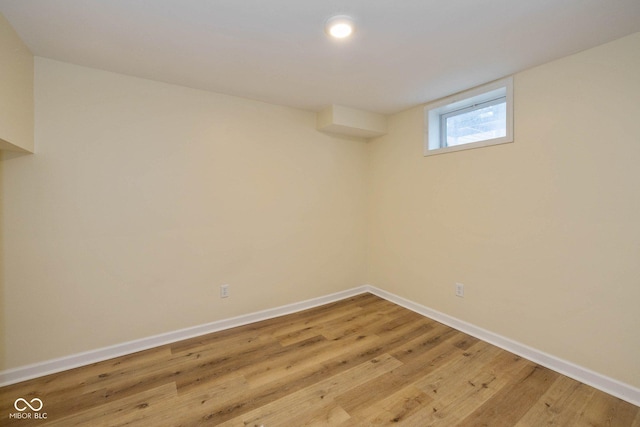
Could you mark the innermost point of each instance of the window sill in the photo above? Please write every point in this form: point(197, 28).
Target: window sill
point(470, 146)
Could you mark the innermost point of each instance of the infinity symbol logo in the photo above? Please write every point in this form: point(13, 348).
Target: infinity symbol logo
point(24, 408)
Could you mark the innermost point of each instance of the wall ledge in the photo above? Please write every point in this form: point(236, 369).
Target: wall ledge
point(351, 122)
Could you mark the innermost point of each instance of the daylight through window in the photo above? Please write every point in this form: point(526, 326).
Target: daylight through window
point(479, 117)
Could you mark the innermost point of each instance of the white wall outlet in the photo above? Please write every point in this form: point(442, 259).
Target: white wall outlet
point(460, 290)
point(224, 291)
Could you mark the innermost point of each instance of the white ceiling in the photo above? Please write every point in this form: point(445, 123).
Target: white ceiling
point(404, 52)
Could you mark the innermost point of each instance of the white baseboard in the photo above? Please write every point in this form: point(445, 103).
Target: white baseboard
point(53, 366)
point(608, 385)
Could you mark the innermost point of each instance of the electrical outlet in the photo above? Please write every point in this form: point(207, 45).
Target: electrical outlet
point(224, 291)
point(460, 290)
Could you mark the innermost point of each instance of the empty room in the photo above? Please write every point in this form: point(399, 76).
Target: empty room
point(319, 213)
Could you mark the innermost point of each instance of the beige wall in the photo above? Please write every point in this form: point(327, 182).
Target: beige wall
point(16, 91)
point(544, 233)
point(143, 198)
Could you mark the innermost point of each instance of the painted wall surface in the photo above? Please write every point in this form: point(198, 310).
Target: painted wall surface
point(544, 232)
point(145, 197)
point(16, 91)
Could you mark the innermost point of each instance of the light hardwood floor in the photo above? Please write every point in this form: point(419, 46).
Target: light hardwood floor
point(358, 362)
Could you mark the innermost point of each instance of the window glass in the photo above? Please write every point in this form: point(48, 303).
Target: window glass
point(487, 121)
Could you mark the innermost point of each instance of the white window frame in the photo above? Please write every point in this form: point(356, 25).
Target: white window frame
point(436, 112)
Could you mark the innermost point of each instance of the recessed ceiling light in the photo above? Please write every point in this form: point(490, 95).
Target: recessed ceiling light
point(339, 27)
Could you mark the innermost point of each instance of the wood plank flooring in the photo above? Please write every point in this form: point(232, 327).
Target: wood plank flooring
point(362, 361)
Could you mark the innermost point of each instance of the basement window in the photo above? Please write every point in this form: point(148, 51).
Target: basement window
point(475, 118)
